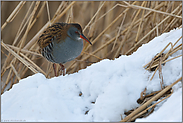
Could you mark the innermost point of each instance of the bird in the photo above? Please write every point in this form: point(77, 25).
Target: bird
point(62, 42)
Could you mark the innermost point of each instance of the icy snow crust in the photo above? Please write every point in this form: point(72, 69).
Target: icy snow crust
point(114, 86)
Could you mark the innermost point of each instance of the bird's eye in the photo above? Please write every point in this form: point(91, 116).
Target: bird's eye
point(77, 32)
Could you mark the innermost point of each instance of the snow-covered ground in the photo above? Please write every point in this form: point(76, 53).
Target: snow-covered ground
point(114, 86)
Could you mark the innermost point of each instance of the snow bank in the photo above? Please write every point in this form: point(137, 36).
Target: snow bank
point(114, 86)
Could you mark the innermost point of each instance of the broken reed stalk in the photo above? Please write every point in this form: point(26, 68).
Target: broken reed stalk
point(144, 111)
point(160, 72)
point(150, 101)
point(166, 61)
point(154, 73)
point(163, 59)
point(170, 52)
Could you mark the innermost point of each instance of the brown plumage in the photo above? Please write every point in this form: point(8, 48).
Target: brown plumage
point(61, 42)
point(56, 30)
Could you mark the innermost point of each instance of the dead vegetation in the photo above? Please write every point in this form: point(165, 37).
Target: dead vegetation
point(115, 28)
point(146, 107)
point(146, 100)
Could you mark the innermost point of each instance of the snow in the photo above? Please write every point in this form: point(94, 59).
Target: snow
point(114, 86)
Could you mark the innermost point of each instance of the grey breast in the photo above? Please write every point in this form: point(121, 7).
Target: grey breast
point(67, 50)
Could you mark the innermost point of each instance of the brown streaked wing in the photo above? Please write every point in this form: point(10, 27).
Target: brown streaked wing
point(54, 31)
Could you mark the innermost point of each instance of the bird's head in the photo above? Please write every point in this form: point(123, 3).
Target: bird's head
point(75, 32)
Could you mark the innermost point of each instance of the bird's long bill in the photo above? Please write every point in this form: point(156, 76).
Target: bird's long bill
point(83, 37)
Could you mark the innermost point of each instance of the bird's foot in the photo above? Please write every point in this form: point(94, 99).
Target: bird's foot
point(62, 69)
point(54, 68)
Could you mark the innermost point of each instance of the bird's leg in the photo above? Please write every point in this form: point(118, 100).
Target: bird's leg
point(62, 69)
point(54, 68)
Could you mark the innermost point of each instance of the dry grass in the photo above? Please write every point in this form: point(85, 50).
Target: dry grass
point(147, 105)
point(160, 58)
point(115, 28)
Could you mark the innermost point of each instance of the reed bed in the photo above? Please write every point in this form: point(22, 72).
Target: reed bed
point(114, 27)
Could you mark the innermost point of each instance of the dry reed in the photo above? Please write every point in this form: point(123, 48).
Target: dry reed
point(140, 110)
